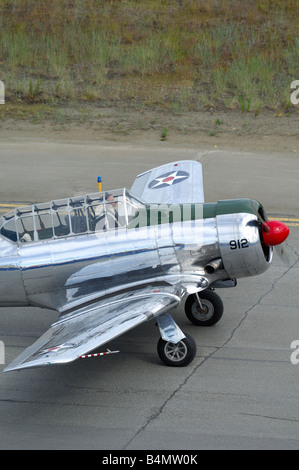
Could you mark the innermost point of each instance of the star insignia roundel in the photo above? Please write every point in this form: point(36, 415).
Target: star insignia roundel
point(164, 181)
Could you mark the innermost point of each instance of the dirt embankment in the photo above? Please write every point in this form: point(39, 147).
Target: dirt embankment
point(267, 132)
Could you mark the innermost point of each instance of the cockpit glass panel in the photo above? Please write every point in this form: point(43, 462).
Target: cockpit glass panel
point(76, 201)
point(43, 207)
point(8, 227)
point(61, 222)
point(43, 224)
point(78, 220)
point(134, 206)
point(95, 212)
point(25, 228)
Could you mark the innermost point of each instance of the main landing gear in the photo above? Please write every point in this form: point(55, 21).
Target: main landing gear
point(204, 308)
point(177, 348)
point(179, 354)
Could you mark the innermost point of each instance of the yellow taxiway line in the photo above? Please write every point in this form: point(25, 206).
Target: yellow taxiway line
point(9, 205)
point(288, 221)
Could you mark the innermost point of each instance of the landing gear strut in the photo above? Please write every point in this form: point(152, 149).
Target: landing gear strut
point(204, 308)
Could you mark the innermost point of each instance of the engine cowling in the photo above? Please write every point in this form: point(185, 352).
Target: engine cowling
point(246, 238)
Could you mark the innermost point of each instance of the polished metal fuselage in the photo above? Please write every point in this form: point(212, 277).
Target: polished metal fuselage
point(66, 273)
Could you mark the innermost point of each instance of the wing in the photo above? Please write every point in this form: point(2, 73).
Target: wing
point(83, 330)
point(174, 183)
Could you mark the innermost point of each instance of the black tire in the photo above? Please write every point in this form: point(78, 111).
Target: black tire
point(212, 308)
point(177, 355)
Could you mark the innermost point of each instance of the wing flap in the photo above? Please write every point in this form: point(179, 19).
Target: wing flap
point(88, 328)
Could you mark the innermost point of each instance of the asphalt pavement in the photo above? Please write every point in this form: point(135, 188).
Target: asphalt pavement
point(240, 392)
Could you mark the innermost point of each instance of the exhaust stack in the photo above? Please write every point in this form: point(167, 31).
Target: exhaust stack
point(213, 266)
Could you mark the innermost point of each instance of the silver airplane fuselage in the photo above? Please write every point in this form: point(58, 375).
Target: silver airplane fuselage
point(222, 243)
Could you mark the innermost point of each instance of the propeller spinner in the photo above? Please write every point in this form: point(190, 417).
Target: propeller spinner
point(275, 234)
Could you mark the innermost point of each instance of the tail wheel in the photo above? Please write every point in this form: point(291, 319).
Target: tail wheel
point(177, 355)
point(208, 313)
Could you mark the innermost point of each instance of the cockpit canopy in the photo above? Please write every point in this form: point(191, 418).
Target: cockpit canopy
point(71, 216)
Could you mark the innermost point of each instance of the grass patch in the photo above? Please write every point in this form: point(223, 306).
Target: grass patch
point(178, 55)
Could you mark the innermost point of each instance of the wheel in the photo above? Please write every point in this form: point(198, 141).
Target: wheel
point(211, 312)
point(177, 355)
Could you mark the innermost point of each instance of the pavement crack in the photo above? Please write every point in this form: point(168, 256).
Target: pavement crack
point(290, 420)
point(160, 410)
point(258, 302)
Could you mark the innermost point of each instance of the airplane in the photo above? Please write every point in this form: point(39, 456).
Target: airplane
point(107, 262)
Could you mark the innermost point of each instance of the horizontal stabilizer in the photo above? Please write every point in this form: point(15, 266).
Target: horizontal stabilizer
point(174, 183)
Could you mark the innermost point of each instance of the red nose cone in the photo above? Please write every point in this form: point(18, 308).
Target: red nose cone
point(277, 233)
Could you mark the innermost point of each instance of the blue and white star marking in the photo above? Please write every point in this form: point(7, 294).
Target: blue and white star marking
point(168, 179)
